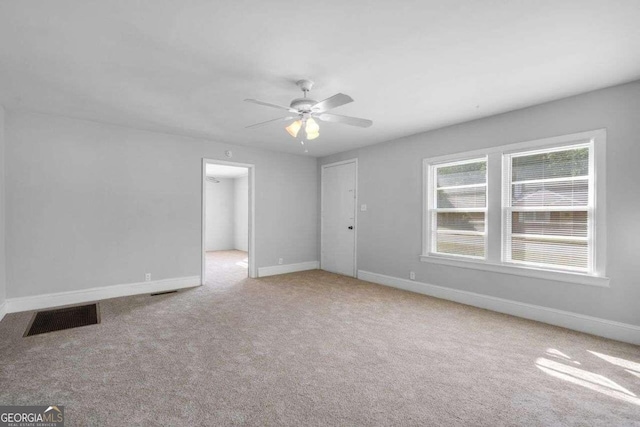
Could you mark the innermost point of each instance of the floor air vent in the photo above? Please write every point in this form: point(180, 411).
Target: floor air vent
point(164, 293)
point(63, 318)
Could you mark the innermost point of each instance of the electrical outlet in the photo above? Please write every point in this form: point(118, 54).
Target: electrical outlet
point(363, 208)
point(279, 260)
point(412, 275)
point(147, 277)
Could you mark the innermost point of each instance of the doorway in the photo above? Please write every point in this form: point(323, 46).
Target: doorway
point(338, 217)
point(227, 222)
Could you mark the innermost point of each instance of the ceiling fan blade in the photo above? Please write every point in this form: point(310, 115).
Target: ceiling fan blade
point(268, 104)
point(353, 121)
point(333, 102)
point(279, 119)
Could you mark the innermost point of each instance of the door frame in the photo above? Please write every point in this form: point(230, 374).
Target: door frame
point(253, 272)
point(355, 211)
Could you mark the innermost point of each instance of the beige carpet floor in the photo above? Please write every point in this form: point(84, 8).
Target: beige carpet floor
point(226, 268)
point(315, 348)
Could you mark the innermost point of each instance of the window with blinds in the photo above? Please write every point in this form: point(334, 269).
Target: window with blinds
point(548, 208)
point(458, 208)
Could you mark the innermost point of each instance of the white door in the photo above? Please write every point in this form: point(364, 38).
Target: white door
point(338, 218)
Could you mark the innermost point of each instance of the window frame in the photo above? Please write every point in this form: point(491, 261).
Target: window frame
point(508, 209)
point(495, 218)
point(433, 209)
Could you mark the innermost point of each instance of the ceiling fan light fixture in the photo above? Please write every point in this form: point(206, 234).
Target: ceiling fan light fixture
point(312, 126)
point(312, 129)
point(294, 128)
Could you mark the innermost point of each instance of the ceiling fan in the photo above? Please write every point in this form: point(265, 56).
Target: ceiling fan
point(305, 110)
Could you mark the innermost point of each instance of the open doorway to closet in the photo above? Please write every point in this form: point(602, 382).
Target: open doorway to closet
point(227, 227)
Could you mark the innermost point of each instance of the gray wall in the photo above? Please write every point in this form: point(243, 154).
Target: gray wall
point(219, 215)
point(241, 214)
point(390, 183)
point(3, 290)
point(91, 204)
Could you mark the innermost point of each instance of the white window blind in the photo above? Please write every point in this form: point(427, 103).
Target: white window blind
point(548, 208)
point(458, 208)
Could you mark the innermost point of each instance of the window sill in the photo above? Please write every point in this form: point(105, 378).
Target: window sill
point(560, 276)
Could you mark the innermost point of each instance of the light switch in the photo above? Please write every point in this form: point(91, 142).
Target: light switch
point(363, 208)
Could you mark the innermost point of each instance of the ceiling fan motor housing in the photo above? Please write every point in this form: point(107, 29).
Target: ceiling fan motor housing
point(303, 105)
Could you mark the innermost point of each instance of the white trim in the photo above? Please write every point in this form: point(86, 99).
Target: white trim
point(251, 253)
point(355, 211)
point(493, 219)
point(521, 270)
point(554, 237)
point(427, 195)
point(463, 158)
point(59, 299)
point(548, 209)
point(578, 322)
point(445, 210)
point(545, 180)
point(505, 220)
point(3, 310)
point(288, 268)
point(460, 232)
point(457, 187)
point(340, 163)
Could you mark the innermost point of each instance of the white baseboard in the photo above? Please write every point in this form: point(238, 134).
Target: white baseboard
point(578, 322)
point(38, 302)
point(287, 268)
point(3, 310)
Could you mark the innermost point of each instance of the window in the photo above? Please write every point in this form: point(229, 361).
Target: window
point(548, 208)
point(549, 220)
point(458, 208)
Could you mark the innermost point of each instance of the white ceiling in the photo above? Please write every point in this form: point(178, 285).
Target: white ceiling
point(224, 171)
point(185, 67)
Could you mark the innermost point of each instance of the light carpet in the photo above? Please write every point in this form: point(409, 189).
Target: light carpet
point(315, 348)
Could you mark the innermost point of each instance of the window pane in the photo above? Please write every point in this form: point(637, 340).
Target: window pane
point(468, 197)
point(460, 244)
point(465, 174)
point(541, 236)
point(462, 186)
point(460, 221)
point(554, 193)
point(573, 224)
point(558, 164)
point(555, 253)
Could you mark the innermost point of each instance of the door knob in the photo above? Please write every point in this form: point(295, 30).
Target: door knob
point(351, 227)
